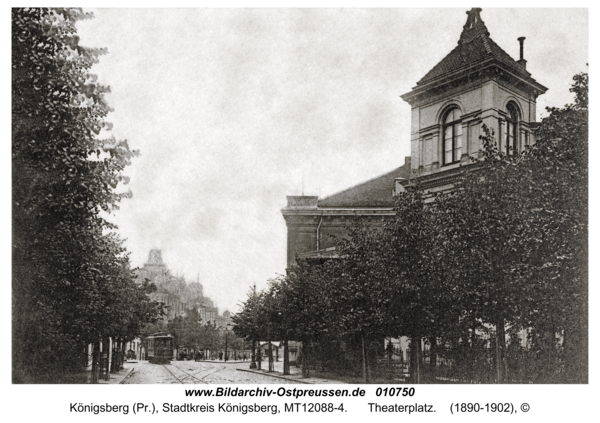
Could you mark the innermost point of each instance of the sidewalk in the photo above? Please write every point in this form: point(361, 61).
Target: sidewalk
point(295, 376)
point(118, 377)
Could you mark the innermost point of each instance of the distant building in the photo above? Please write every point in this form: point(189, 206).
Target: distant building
point(224, 320)
point(178, 295)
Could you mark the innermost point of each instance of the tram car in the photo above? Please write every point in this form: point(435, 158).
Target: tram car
point(160, 348)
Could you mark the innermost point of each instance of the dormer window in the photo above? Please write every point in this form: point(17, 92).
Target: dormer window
point(512, 129)
point(452, 142)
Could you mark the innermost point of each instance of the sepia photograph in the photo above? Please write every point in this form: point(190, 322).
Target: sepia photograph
point(300, 196)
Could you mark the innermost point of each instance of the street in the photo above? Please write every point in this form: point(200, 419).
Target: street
point(191, 372)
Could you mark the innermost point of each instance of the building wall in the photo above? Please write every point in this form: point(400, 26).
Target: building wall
point(482, 103)
point(329, 226)
point(177, 295)
point(301, 235)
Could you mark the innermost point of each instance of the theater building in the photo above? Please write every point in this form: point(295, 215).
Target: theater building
point(476, 84)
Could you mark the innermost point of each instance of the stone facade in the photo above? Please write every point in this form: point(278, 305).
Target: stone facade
point(178, 295)
point(483, 84)
point(313, 223)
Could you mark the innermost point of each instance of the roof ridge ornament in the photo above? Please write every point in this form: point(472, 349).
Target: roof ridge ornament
point(474, 26)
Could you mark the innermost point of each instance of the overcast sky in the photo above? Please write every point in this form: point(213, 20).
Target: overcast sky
point(232, 109)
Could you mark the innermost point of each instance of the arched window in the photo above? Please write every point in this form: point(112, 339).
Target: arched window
point(512, 129)
point(452, 136)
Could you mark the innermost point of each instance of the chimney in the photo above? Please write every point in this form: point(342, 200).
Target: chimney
point(521, 61)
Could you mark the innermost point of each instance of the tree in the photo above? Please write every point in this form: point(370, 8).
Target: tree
point(559, 204)
point(505, 250)
point(389, 281)
point(246, 322)
point(355, 290)
point(307, 307)
point(517, 225)
point(269, 317)
point(282, 324)
point(191, 332)
point(70, 272)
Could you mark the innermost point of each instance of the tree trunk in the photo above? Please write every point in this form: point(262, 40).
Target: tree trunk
point(113, 358)
point(106, 354)
point(93, 375)
point(503, 356)
point(415, 370)
point(122, 353)
point(411, 362)
point(364, 354)
point(286, 358)
point(305, 370)
point(500, 351)
point(433, 354)
point(84, 356)
point(119, 349)
point(389, 358)
point(419, 358)
point(253, 355)
point(95, 364)
point(271, 364)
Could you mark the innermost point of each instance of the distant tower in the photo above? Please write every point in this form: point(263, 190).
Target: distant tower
point(155, 262)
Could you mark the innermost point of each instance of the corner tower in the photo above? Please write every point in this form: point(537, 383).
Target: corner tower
point(476, 83)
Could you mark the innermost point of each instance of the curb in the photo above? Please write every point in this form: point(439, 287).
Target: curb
point(127, 375)
point(279, 377)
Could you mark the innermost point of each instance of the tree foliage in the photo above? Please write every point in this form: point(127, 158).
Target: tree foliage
point(72, 282)
point(246, 323)
point(505, 251)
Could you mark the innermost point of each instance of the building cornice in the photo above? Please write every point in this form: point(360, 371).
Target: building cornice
point(336, 211)
point(440, 178)
point(486, 69)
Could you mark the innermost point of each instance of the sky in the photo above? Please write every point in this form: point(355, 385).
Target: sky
point(233, 109)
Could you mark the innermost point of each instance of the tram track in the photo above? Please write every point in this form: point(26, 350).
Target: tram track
point(193, 373)
point(184, 379)
point(200, 378)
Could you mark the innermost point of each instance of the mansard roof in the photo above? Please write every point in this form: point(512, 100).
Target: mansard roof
point(376, 192)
